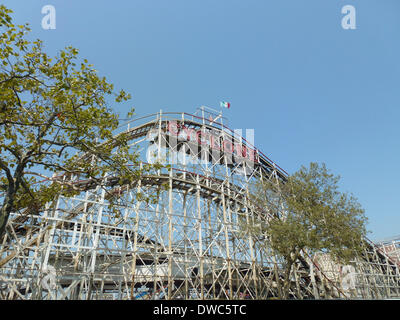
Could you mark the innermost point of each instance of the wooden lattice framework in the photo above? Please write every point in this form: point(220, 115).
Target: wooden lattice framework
point(188, 245)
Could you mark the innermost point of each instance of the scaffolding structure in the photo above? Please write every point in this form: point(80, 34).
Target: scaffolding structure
point(190, 244)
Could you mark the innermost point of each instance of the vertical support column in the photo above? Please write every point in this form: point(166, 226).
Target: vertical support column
point(49, 243)
point(36, 288)
point(228, 256)
point(50, 236)
point(170, 237)
point(251, 246)
point(234, 263)
point(124, 256)
point(390, 277)
point(159, 138)
point(381, 269)
point(135, 237)
point(312, 275)
point(134, 254)
point(297, 279)
point(211, 255)
point(185, 235)
point(272, 252)
point(156, 254)
point(387, 276)
point(200, 230)
point(363, 285)
point(97, 235)
point(372, 272)
point(253, 258)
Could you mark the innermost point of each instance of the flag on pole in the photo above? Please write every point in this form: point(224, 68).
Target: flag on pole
point(224, 104)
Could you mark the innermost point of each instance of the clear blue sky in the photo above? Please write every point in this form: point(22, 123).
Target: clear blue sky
point(311, 90)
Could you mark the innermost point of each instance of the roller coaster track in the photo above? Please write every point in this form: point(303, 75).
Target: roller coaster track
point(211, 188)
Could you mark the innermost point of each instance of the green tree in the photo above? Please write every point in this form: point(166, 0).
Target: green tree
point(54, 117)
point(312, 215)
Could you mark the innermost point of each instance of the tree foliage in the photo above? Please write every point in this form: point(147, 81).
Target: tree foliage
point(312, 215)
point(54, 117)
